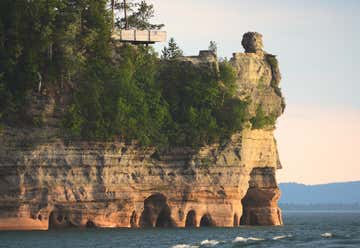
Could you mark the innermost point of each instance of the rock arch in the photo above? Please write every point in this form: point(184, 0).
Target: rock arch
point(191, 219)
point(206, 221)
point(164, 218)
point(157, 212)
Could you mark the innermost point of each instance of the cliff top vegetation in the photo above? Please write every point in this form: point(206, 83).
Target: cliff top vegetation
point(114, 91)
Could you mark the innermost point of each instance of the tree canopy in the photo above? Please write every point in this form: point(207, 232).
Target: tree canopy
point(139, 15)
point(172, 51)
point(48, 41)
point(112, 91)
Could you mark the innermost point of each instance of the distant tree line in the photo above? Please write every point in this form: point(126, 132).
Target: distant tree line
point(320, 207)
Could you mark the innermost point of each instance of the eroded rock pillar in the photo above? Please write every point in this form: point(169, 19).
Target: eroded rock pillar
point(260, 202)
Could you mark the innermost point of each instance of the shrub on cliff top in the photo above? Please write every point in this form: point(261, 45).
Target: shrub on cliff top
point(261, 120)
point(200, 103)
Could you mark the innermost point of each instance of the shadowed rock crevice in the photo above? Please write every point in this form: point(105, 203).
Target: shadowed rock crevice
point(133, 220)
point(191, 219)
point(236, 220)
point(156, 212)
point(90, 224)
point(59, 220)
point(206, 221)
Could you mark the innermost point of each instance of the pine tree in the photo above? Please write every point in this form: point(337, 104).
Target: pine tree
point(173, 51)
point(165, 53)
point(138, 16)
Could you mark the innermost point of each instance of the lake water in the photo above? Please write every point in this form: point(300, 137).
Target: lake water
point(301, 229)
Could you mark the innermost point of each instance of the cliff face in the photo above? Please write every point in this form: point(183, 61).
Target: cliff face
point(49, 182)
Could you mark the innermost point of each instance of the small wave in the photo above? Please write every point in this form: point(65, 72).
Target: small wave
point(184, 246)
point(327, 235)
point(209, 242)
point(242, 239)
point(281, 237)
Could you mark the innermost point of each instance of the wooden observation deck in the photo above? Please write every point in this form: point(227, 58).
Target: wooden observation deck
point(139, 36)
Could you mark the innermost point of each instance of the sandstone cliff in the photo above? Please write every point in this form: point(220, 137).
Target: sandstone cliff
point(51, 182)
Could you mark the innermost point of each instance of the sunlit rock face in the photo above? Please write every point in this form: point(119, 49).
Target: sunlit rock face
point(258, 76)
point(49, 182)
point(260, 203)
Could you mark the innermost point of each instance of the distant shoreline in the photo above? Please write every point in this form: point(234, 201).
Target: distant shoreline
point(284, 211)
point(320, 207)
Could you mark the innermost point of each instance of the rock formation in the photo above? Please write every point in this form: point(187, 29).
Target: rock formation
point(252, 42)
point(49, 182)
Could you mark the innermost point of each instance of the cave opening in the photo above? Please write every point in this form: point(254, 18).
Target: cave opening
point(133, 220)
point(58, 220)
point(206, 221)
point(190, 219)
point(164, 218)
point(90, 224)
point(157, 212)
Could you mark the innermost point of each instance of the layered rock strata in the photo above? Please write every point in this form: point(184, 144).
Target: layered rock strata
point(260, 203)
point(49, 182)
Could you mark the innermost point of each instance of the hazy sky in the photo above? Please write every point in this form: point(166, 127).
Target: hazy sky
point(318, 46)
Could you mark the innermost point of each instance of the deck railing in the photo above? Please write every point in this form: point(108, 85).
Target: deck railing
point(139, 36)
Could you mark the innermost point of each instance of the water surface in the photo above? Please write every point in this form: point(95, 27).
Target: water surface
point(302, 229)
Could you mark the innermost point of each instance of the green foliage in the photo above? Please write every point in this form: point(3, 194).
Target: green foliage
point(49, 42)
point(201, 107)
point(171, 52)
point(120, 100)
point(227, 77)
point(66, 44)
point(139, 16)
point(232, 116)
point(261, 120)
point(38, 121)
point(6, 101)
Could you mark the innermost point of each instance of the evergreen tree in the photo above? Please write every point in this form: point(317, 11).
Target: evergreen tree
point(56, 43)
point(171, 52)
point(138, 16)
point(47, 42)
